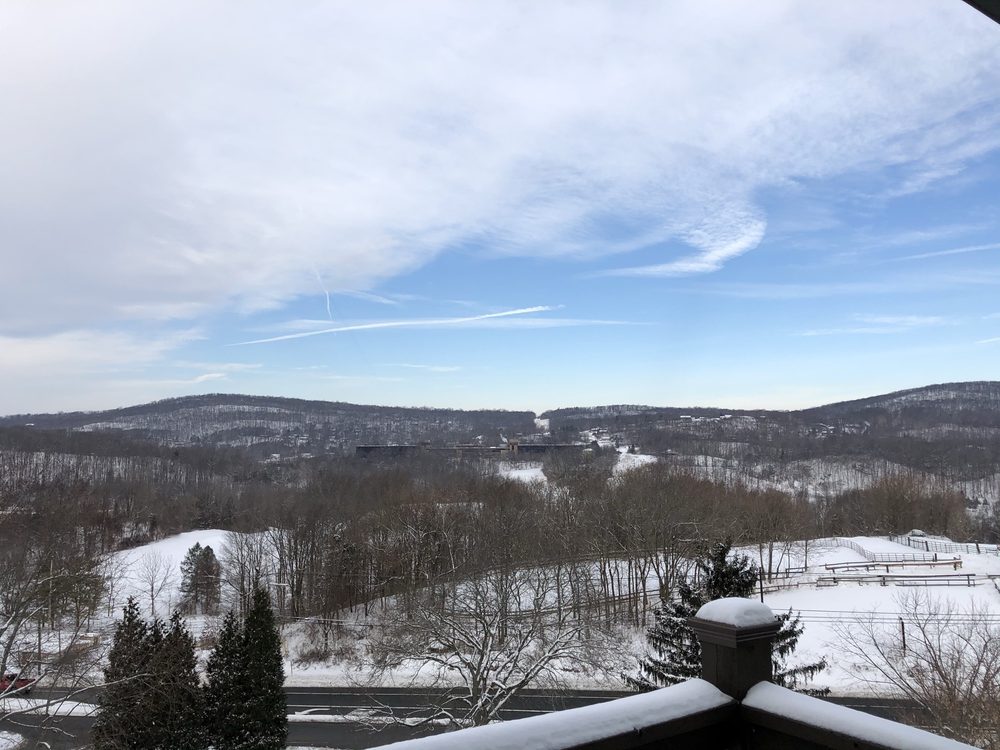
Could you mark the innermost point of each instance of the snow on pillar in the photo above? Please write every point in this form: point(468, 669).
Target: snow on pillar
point(736, 637)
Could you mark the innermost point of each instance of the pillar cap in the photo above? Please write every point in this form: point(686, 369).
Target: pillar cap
point(734, 620)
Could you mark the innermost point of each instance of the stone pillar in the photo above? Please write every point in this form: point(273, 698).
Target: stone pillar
point(736, 637)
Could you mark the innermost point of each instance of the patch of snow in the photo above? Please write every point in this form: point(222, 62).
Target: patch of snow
point(542, 424)
point(9, 740)
point(581, 726)
point(40, 705)
point(766, 696)
point(528, 472)
point(736, 611)
point(170, 551)
point(628, 461)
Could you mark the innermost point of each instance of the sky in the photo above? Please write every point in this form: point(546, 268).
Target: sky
point(507, 204)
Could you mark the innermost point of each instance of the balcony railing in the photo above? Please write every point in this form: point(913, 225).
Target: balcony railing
point(735, 706)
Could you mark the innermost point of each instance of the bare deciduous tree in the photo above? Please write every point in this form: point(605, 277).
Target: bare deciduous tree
point(155, 573)
point(944, 659)
point(488, 640)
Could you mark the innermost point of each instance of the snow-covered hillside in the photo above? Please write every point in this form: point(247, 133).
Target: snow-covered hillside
point(157, 565)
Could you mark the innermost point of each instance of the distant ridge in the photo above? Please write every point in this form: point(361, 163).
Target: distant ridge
point(946, 433)
point(268, 425)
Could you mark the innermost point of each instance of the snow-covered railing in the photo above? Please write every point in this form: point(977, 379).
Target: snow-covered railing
point(885, 556)
point(736, 638)
point(692, 714)
point(936, 545)
point(778, 717)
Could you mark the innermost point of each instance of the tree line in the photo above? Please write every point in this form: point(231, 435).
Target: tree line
point(154, 698)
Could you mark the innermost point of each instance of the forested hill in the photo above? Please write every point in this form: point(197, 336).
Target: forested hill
point(949, 405)
point(950, 430)
point(286, 426)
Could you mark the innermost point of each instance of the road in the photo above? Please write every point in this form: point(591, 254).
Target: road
point(331, 727)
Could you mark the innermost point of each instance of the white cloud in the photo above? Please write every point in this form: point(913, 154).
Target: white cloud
point(161, 161)
point(85, 351)
point(881, 324)
point(430, 368)
point(410, 323)
point(507, 319)
point(902, 321)
point(72, 368)
point(953, 251)
point(222, 367)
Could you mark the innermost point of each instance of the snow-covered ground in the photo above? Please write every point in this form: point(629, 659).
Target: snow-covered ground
point(825, 609)
point(40, 705)
point(523, 472)
point(160, 561)
point(628, 461)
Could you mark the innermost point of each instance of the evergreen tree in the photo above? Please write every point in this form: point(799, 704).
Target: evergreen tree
point(190, 580)
point(245, 705)
point(676, 652)
point(120, 718)
point(175, 710)
point(225, 711)
point(200, 572)
point(264, 670)
point(152, 700)
point(209, 574)
point(784, 646)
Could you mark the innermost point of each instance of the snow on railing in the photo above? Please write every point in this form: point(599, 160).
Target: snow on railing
point(884, 556)
point(936, 545)
point(736, 637)
point(785, 711)
point(616, 722)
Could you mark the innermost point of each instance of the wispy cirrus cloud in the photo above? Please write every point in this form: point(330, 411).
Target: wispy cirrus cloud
point(952, 251)
point(410, 323)
point(61, 370)
point(429, 368)
point(218, 366)
point(717, 245)
point(891, 284)
point(881, 324)
point(443, 126)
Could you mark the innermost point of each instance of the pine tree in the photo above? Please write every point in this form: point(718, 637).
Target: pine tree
point(264, 670)
point(120, 717)
point(245, 705)
point(784, 646)
point(175, 706)
point(676, 652)
point(209, 573)
point(152, 700)
point(190, 580)
point(200, 572)
point(226, 721)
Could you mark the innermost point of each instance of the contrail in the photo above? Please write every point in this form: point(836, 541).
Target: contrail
point(322, 286)
point(402, 324)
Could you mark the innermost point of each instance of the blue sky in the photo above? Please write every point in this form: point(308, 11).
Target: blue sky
point(497, 204)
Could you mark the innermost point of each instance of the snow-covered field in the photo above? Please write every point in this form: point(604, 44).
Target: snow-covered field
point(160, 562)
point(523, 472)
point(825, 609)
point(532, 471)
point(629, 461)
